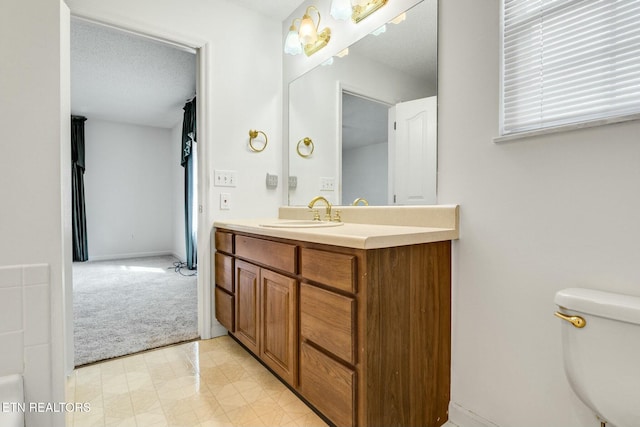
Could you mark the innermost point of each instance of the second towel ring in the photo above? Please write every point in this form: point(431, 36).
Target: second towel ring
point(253, 134)
point(309, 143)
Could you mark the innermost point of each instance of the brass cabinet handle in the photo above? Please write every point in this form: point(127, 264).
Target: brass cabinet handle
point(576, 321)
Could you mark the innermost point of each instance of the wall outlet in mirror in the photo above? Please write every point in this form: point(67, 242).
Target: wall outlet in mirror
point(327, 183)
point(293, 182)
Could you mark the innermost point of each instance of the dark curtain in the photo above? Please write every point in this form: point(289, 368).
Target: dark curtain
point(189, 130)
point(80, 249)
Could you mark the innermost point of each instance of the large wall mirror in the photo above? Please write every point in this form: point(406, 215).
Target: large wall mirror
point(364, 125)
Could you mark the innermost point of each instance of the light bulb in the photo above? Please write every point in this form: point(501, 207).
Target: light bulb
point(307, 33)
point(292, 44)
point(341, 9)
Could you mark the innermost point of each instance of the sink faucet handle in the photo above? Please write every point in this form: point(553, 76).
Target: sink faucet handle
point(336, 217)
point(316, 214)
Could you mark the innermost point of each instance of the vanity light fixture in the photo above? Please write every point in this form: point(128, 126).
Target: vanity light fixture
point(292, 44)
point(380, 30)
point(366, 8)
point(329, 61)
point(306, 38)
point(398, 19)
point(311, 40)
point(341, 9)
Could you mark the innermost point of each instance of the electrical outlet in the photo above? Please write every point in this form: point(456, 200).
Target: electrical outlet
point(272, 181)
point(225, 201)
point(293, 182)
point(327, 183)
point(224, 178)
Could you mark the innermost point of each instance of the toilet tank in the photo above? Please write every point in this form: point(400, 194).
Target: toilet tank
point(602, 360)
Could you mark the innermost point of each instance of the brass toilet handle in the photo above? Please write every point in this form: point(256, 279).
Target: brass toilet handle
point(576, 321)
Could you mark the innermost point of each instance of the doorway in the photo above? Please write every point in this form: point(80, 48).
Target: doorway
point(365, 149)
point(202, 293)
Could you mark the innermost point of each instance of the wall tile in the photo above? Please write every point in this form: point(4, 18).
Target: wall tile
point(12, 354)
point(37, 317)
point(10, 310)
point(10, 276)
point(35, 274)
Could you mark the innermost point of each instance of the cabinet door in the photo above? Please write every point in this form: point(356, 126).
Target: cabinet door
point(224, 308)
point(278, 295)
point(247, 305)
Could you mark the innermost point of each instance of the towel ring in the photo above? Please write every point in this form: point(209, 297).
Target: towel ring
point(309, 143)
point(253, 134)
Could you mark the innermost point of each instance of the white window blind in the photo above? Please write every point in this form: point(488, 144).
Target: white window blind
point(569, 61)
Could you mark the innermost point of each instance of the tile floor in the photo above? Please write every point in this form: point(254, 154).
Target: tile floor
point(198, 384)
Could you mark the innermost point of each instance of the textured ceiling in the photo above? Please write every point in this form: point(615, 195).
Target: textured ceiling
point(122, 77)
point(277, 9)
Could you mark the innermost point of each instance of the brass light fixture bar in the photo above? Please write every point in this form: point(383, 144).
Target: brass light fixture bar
point(362, 11)
point(323, 39)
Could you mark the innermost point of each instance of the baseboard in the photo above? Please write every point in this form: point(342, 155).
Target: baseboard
point(462, 417)
point(129, 255)
point(218, 331)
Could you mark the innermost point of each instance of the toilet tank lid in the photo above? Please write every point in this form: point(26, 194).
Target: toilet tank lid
point(625, 308)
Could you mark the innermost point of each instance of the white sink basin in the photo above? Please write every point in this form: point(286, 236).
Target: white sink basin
point(301, 223)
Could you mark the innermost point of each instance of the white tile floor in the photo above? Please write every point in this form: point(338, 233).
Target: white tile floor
point(198, 384)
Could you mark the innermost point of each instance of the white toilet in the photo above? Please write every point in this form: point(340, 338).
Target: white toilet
point(602, 356)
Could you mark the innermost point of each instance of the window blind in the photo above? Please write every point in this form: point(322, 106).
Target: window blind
point(569, 61)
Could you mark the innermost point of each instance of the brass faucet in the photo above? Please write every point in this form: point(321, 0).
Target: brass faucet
point(327, 216)
point(359, 200)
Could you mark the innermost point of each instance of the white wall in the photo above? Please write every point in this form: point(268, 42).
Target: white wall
point(537, 215)
point(129, 189)
point(34, 165)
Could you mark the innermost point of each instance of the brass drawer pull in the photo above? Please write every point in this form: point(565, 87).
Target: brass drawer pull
point(576, 321)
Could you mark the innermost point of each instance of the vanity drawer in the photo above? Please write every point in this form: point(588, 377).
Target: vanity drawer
point(276, 255)
point(224, 271)
point(328, 385)
point(224, 242)
point(329, 268)
point(328, 320)
point(224, 309)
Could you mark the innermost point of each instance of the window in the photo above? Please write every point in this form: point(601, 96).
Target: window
point(568, 62)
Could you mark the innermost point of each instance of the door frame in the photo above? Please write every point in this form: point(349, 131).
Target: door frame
point(204, 59)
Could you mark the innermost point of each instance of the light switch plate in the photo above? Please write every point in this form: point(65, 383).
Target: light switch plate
point(224, 178)
point(327, 183)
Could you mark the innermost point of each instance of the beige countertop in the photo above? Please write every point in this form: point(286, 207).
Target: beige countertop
point(355, 234)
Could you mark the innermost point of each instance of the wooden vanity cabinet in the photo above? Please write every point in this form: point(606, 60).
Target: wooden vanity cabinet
point(362, 335)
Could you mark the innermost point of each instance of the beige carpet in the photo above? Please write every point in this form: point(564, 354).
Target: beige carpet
point(125, 306)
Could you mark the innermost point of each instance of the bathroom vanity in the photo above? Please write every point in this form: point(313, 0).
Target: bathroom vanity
point(354, 317)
